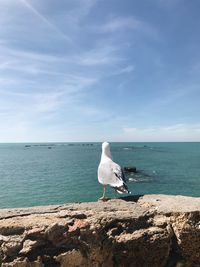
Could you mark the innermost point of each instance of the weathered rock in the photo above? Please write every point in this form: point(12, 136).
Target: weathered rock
point(151, 230)
point(20, 262)
point(55, 233)
point(12, 245)
point(71, 258)
point(30, 245)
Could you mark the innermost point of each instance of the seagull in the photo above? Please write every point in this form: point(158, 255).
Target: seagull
point(110, 173)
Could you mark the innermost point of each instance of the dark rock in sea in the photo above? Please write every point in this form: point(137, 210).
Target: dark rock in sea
point(130, 169)
point(87, 144)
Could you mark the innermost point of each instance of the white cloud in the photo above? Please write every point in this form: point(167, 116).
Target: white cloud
point(125, 24)
point(81, 9)
point(104, 53)
point(118, 23)
point(31, 104)
point(128, 69)
point(177, 132)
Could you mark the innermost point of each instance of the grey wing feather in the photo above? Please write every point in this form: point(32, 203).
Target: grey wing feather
point(118, 172)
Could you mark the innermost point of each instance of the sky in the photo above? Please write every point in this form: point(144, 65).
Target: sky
point(96, 70)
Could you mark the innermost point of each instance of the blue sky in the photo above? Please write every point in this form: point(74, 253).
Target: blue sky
point(95, 70)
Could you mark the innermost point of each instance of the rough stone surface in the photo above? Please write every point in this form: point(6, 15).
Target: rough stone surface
point(140, 231)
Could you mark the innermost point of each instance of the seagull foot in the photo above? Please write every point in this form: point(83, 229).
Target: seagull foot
point(104, 199)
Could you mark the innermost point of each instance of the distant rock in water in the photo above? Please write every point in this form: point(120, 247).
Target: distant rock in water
point(87, 144)
point(130, 169)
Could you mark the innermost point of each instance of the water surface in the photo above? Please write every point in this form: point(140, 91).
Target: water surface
point(40, 174)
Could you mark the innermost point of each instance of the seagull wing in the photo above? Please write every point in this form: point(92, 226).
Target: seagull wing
point(120, 186)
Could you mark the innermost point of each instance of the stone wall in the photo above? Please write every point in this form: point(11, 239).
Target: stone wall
point(149, 231)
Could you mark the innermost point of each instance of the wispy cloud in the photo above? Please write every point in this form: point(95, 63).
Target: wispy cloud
point(177, 132)
point(10, 54)
point(125, 70)
point(125, 25)
point(45, 20)
point(119, 23)
point(175, 93)
point(105, 55)
point(33, 104)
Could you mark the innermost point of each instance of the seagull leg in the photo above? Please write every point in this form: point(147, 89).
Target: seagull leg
point(104, 191)
point(104, 198)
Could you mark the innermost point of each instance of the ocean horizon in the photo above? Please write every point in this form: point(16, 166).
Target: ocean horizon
point(33, 174)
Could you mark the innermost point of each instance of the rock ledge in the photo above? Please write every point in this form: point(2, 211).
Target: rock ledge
point(150, 230)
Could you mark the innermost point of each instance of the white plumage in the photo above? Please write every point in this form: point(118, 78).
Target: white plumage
point(110, 173)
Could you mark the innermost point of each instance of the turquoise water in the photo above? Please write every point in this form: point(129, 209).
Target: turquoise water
point(40, 174)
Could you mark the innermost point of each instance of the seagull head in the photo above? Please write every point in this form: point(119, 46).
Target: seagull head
point(106, 149)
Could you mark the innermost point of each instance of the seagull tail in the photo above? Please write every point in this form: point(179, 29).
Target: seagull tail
point(120, 192)
point(122, 189)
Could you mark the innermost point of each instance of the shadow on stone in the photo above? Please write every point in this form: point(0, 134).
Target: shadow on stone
point(131, 198)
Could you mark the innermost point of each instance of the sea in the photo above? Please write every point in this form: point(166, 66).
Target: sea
point(33, 174)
